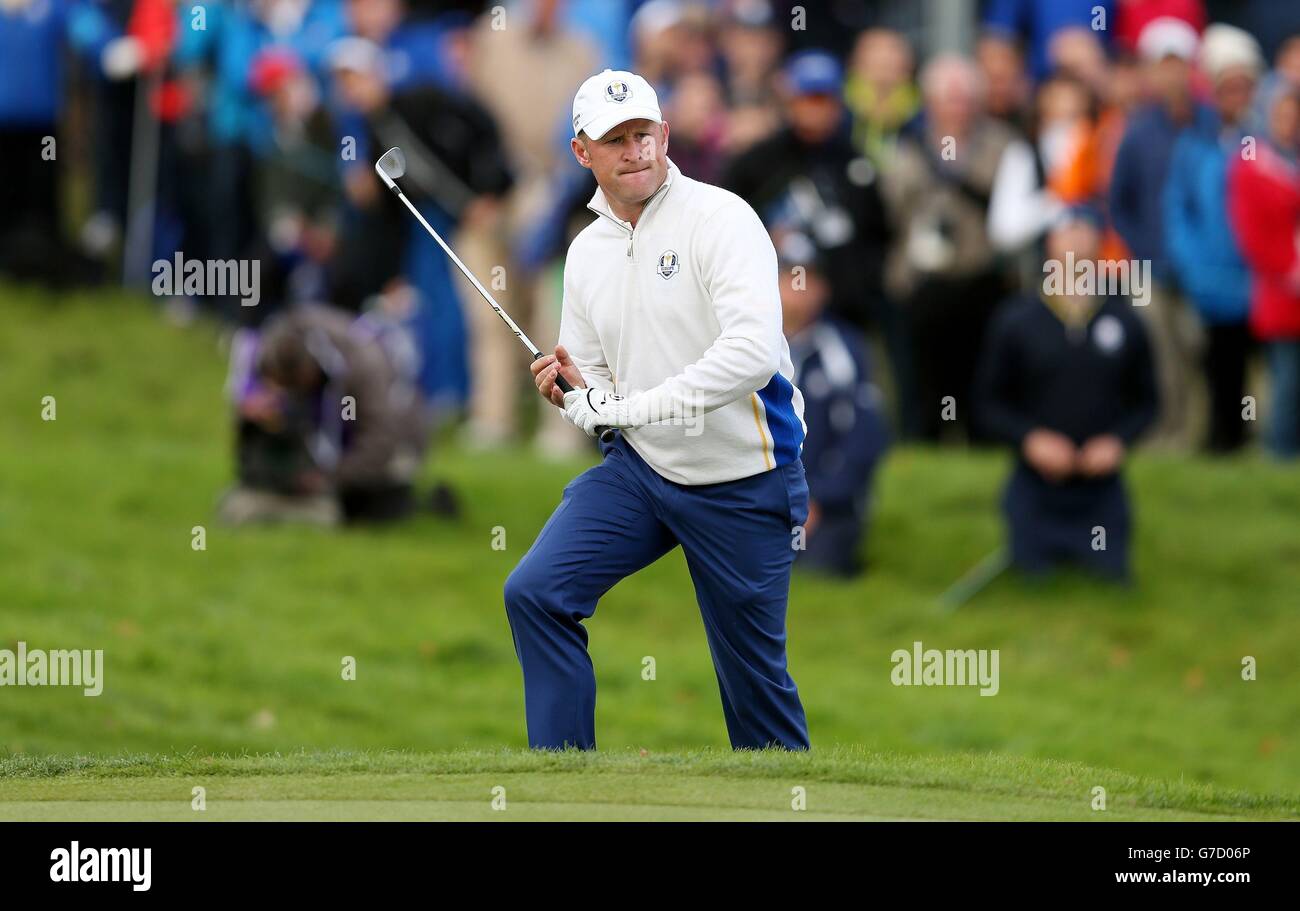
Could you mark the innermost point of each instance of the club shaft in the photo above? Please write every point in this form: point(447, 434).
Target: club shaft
point(464, 270)
point(606, 434)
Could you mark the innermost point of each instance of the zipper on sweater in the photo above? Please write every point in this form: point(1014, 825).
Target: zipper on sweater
point(650, 203)
point(622, 225)
point(631, 232)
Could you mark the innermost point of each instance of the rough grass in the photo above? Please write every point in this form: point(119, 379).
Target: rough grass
point(838, 783)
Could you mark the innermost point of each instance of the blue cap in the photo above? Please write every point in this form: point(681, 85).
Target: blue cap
point(814, 73)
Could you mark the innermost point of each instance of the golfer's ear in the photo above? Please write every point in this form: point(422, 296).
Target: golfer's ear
point(580, 152)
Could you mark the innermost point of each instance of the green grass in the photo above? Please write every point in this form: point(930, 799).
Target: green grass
point(841, 783)
point(237, 648)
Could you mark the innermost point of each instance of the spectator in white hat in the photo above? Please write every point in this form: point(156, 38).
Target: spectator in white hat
point(1168, 49)
point(1167, 37)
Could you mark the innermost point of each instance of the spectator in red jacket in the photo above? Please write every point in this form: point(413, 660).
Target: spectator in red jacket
point(1264, 205)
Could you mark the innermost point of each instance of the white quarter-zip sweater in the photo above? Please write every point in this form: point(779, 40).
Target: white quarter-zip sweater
point(683, 314)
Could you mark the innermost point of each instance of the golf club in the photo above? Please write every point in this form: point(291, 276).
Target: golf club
point(976, 579)
point(391, 166)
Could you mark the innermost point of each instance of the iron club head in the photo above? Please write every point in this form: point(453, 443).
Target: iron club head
point(390, 166)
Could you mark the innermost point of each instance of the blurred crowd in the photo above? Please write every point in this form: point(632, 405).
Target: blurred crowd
point(915, 176)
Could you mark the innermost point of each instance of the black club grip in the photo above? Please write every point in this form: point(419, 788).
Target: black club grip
point(606, 434)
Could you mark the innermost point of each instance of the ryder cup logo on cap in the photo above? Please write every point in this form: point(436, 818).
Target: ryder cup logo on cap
point(610, 98)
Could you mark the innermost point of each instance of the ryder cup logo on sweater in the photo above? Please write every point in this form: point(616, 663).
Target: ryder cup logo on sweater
point(668, 264)
point(617, 91)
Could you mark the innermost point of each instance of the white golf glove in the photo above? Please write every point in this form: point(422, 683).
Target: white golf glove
point(590, 408)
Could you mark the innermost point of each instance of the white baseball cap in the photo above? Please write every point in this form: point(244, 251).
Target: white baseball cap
point(1167, 36)
point(610, 98)
point(1226, 49)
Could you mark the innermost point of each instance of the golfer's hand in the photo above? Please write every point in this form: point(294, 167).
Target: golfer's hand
point(544, 372)
point(588, 409)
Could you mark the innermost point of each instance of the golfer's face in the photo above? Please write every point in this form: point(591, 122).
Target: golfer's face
point(630, 160)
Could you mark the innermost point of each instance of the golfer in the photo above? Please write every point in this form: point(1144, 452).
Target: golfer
point(671, 334)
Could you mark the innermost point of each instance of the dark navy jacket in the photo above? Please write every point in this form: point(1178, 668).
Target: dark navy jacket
point(1037, 372)
point(1138, 181)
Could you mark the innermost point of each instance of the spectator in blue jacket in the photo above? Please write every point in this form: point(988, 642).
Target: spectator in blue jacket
point(1034, 23)
point(239, 124)
point(34, 35)
point(1167, 47)
point(1206, 258)
point(847, 434)
point(31, 96)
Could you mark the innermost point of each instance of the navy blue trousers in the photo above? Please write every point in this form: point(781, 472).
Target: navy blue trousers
point(1051, 524)
point(620, 516)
